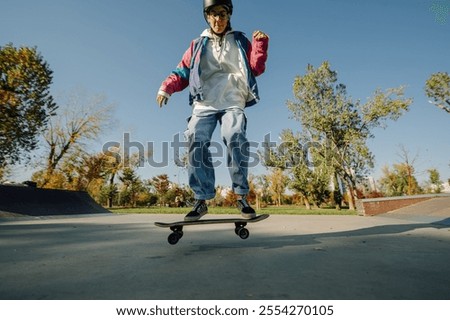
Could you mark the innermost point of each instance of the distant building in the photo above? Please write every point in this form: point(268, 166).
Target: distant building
point(445, 187)
point(372, 184)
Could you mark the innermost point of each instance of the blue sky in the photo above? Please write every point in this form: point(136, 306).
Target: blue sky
point(125, 48)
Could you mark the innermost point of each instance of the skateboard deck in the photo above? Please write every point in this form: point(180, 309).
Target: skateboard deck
point(240, 223)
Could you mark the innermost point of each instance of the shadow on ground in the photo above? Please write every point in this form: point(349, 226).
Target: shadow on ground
point(126, 257)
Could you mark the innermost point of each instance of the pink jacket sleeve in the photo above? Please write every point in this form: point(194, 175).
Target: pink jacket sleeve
point(178, 80)
point(258, 56)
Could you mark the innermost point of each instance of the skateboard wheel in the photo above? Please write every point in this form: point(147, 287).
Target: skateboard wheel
point(243, 233)
point(173, 238)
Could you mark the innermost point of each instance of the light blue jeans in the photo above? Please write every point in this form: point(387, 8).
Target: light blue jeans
point(233, 124)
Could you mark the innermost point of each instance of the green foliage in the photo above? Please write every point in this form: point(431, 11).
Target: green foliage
point(277, 185)
point(107, 193)
point(161, 184)
point(437, 88)
point(339, 127)
point(25, 101)
point(399, 180)
point(293, 157)
point(435, 181)
point(132, 185)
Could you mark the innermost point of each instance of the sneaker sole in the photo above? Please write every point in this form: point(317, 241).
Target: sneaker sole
point(195, 218)
point(248, 215)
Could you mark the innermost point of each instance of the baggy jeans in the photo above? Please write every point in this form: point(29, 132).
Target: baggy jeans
point(233, 124)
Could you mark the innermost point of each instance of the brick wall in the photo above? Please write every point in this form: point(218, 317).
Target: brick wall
point(370, 207)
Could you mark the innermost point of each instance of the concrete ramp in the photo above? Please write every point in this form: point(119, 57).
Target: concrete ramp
point(24, 200)
point(433, 211)
point(436, 207)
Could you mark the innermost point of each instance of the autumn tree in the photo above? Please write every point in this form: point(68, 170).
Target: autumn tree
point(399, 180)
point(260, 185)
point(82, 119)
point(338, 126)
point(161, 184)
point(278, 183)
point(437, 88)
point(5, 171)
point(25, 102)
point(85, 172)
point(407, 167)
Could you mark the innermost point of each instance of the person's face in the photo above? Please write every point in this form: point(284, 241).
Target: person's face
point(218, 18)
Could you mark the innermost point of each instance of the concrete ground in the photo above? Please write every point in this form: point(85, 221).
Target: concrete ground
point(400, 255)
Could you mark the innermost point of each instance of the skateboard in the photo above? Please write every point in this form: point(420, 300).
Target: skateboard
point(240, 223)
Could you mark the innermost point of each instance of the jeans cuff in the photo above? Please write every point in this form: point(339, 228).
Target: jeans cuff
point(204, 196)
point(240, 191)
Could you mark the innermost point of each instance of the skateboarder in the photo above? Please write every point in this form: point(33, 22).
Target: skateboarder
point(220, 69)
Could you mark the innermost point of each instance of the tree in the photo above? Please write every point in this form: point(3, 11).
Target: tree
point(230, 199)
point(406, 167)
point(83, 118)
point(437, 88)
point(132, 186)
point(278, 182)
point(85, 172)
point(435, 181)
point(260, 185)
point(25, 102)
point(294, 156)
point(5, 171)
point(161, 184)
point(399, 180)
point(339, 127)
point(113, 165)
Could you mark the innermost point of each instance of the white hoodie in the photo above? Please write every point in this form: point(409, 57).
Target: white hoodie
point(223, 75)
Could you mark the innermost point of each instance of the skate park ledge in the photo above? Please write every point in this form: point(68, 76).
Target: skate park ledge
point(374, 206)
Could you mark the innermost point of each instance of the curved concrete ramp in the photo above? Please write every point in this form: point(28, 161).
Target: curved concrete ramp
point(24, 200)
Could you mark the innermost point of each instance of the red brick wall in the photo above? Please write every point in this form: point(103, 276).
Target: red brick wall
point(383, 205)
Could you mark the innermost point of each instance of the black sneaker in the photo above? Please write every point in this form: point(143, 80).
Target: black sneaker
point(199, 210)
point(246, 210)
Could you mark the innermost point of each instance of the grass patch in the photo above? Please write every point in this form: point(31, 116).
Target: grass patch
point(290, 210)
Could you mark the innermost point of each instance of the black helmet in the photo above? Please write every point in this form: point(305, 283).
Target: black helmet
point(209, 3)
